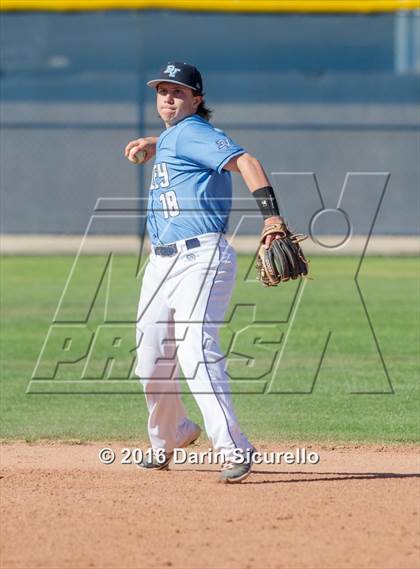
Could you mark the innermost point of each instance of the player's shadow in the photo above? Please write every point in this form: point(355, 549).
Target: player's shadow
point(324, 476)
point(318, 476)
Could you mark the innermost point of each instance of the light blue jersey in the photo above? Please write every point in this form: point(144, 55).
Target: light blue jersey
point(190, 193)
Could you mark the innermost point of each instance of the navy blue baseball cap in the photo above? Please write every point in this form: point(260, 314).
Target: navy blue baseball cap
point(181, 74)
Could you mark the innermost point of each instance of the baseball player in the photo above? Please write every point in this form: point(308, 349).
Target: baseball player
point(190, 276)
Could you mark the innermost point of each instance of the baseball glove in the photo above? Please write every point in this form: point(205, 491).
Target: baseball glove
point(284, 258)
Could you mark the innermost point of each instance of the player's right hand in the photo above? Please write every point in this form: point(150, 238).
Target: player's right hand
point(147, 144)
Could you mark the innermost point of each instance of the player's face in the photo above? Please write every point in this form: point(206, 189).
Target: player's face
point(175, 102)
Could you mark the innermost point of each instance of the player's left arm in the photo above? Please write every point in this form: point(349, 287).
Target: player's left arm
point(257, 181)
point(280, 257)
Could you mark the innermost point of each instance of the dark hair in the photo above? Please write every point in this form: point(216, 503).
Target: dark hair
point(203, 111)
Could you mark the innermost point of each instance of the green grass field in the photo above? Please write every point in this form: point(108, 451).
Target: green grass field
point(304, 362)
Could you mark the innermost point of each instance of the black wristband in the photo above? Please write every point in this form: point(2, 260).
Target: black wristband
point(266, 201)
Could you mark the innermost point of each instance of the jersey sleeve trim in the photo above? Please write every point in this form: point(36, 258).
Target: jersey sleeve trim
point(227, 158)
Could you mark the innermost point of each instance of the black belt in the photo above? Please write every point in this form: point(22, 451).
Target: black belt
point(171, 249)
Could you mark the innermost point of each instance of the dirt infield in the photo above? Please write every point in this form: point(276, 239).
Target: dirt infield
point(357, 508)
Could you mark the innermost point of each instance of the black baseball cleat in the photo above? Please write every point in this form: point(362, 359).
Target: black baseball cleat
point(156, 461)
point(234, 472)
point(159, 460)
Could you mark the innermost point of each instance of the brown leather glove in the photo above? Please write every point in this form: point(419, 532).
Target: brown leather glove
point(284, 258)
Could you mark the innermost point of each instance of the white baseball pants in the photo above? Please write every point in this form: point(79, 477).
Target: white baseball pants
point(182, 304)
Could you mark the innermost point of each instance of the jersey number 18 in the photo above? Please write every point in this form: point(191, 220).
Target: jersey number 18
point(160, 179)
point(169, 204)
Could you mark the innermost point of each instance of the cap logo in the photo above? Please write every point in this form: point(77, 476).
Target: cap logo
point(171, 70)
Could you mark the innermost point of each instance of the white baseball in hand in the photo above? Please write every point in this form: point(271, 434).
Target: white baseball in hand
point(137, 157)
